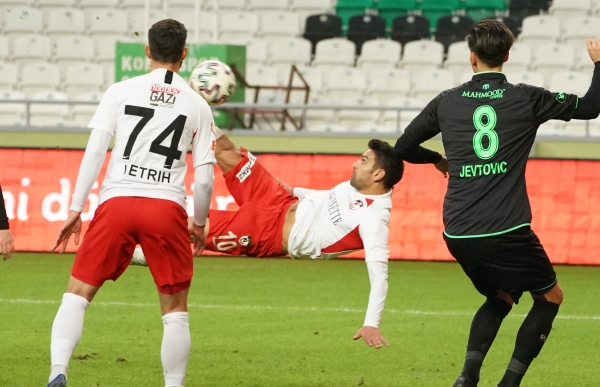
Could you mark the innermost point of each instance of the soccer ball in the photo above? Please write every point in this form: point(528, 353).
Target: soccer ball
point(214, 81)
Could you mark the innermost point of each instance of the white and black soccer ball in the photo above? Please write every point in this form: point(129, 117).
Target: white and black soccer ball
point(214, 81)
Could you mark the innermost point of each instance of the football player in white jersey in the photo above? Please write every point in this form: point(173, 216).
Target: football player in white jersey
point(275, 219)
point(153, 118)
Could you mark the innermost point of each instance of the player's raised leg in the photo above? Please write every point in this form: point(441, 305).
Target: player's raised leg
point(533, 334)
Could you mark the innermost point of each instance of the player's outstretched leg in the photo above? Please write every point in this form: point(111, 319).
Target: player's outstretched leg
point(484, 328)
point(67, 329)
point(532, 335)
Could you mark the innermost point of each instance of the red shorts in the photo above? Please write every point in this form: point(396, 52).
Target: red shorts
point(121, 223)
point(256, 228)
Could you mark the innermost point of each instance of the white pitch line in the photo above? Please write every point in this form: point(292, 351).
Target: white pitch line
point(288, 308)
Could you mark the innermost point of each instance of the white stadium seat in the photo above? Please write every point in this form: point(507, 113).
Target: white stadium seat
point(429, 83)
point(140, 5)
point(137, 21)
point(12, 113)
point(539, 30)
point(379, 54)
point(96, 4)
point(304, 8)
point(519, 59)
point(8, 4)
point(206, 23)
point(346, 82)
point(334, 52)
point(71, 49)
point(234, 25)
point(49, 114)
point(312, 76)
point(276, 25)
point(4, 50)
point(47, 6)
point(65, 21)
point(31, 48)
point(553, 58)
point(457, 61)
point(22, 20)
point(267, 5)
point(328, 128)
point(235, 5)
point(570, 83)
point(107, 22)
point(527, 77)
point(390, 117)
point(466, 77)
point(422, 55)
point(355, 118)
point(579, 29)
point(83, 77)
point(315, 117)
point(568, 9)
point(256, 49)
point(81, 115)
point(388, 85)
point(8, 76)
point(257, 75)
point(584, 64)
point(287, 51)
point(38, 77)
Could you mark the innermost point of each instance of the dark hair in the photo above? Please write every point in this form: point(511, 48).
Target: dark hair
point(166, 39)
point(388, 161)
point(490, 40)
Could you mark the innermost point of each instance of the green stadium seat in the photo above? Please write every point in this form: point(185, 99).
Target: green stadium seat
point(346, 9)
point(391, 9)
point(481, 9)
point(434, 9)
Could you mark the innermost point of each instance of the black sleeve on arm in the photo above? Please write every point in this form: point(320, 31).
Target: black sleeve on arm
point(588, 107)
point(421, 129)
point(3, 217)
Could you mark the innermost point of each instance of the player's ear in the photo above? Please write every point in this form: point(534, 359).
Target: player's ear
point(473, 59)
point(378, 175)
point(184, 54)
point(506, 57)
point(147, 49)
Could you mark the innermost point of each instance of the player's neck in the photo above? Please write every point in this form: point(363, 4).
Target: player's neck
point(174, 67)
point(482, 68)
point(375, 189)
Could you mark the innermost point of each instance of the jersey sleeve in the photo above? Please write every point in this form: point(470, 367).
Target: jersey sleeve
point(547, 105)
point(425, 125)
point(105, 117)
point(203, 143)
point(374, 233)
point(301, 193)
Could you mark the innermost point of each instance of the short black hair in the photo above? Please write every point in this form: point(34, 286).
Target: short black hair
point(490, 40)
point(387, 160)
point(166, 39)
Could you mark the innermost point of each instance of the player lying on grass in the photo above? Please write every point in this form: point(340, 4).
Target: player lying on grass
point(275, 220)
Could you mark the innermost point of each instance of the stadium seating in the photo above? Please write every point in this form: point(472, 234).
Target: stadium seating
point(452, 29)
point(31, 48)
point(520, 58)
point(421, 55)
point(39, 77)
point(346, 83)
point(4, 50)
point(391, 9)
point(235, 5)
point(363, 28)
point(553, 58)
point(49, 114)
point(312, 76)
point(8, 76)
point(83, 77)
point(320, 27)
point(512, 23)
point(527, 77)
point(306, 8)
point(81, 115)
point(578, 29)
point(458, 59)
point(540, 30)
point(257, 75)
point(107, 22)
point(314, 118)
point(570, 83)
point(334, 52)
point(65, 21)
point(71, 49)
point(521, 9)
point(137, 20)
point(481, 9)
point(390, 117)
point(256, 49)
point(96, 4)
point(435, 9)
point(22, 20)
point(355, 118)
point(380, 54)
point(408, 28)
point(11, 113)
point(429, 83)
point(568, 9)
point(237, 24)
point(47, 6)
point(277, 24)
point(385, 86)
point(288, 51)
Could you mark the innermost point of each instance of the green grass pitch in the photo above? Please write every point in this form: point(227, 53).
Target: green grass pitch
point(265, 322)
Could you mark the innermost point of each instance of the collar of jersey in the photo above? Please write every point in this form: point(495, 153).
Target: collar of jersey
point(484, 75)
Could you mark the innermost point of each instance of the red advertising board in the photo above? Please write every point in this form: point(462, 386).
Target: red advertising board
point(565, 197)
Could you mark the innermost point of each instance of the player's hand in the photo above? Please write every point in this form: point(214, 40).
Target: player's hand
point(593, 47)
point(442, 166)
point(6, 244)
point(287, 187)
point(72, 226)
point(199, 239)
point(371, 336)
